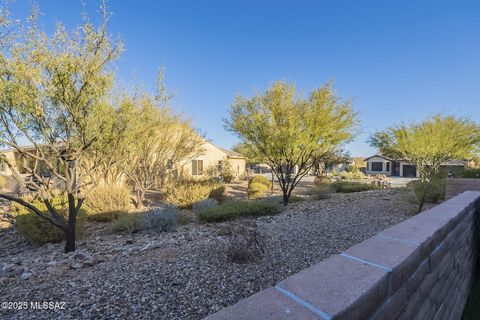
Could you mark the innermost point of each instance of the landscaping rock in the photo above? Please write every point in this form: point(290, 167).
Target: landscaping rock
point(26, 275)
point(186, 274)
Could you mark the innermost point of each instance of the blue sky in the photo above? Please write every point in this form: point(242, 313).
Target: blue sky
point(399, 60)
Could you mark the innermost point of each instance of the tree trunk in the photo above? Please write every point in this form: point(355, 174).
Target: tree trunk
point(272, 180)
point(424, 194)
point(285, 198)
point(140, 199)
point(422, 202)
point(69, 239)
point(72, 222)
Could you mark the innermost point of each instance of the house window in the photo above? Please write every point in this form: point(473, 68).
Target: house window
point(197, 167)
point(388, 167)
point(377, 166)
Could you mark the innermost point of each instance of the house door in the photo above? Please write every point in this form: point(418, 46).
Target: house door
point(396, 169)
point(409, 171)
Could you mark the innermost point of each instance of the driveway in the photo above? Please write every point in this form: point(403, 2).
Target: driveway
point(399, 182)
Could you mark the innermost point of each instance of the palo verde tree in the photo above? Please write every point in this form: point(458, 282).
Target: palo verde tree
point(160, 141)
point(50, 90)
point(124, 121)
point(429, 144)
point(289, 132)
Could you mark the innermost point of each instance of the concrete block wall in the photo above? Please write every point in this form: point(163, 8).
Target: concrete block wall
point(455, 186)
point(421, 268)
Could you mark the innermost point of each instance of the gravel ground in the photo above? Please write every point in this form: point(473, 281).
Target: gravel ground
point(185, 274)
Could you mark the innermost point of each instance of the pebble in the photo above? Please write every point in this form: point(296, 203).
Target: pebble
point(187, 274)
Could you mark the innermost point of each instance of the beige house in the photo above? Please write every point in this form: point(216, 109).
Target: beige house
point(11, 183)
point(212, 159)
point(11, 155)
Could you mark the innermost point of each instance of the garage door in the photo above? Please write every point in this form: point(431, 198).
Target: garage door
point(409, 171)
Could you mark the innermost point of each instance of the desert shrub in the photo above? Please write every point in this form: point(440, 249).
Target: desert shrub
point(352, 168)
point(322, 180)
point(260, 179)
point(352, 175)
point(39, 230)
point(227, 177)
point(470, 173)
point(218, 194)
point(352, 186)
point(227, 171)
point(234, 209)
point(128, 223)
point(204, 205)
point(429, 191)
point(212, 171)
point(244, 242)
point(293, 199)
point(186, 194)
point(381, 182)
point(162, 219)
point(3, 181)
point(256, 190)
point(320, 192)
point(107, 203)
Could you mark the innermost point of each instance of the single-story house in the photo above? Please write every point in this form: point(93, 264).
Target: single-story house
point(213, 158)
point(11, 155)
point(380, 164)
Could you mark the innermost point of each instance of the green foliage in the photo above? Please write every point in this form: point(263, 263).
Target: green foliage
point(39, 230)
point(204, 205)
point(352, 186)
point(352, 168)
point(428, 191)
point(128, 223)
point(185, 194)
point(279, 199)
point(257, 190)
point(235, 209)
point(322, 180)
point(430, 143)
point(56, 86)
point(218, 194)
point(227, 171)
point(260, 179)
point(245, 150)
point(320, 192)
point(107, 203)
point(159, 140)
point(470, 173)
point(352, 175)
point(162, 219)
point(284, 128)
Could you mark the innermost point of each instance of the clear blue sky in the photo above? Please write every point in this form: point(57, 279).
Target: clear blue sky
point(399, 60)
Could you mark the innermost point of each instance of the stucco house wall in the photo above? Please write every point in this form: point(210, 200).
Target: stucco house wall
point(212, 158)
point(385, 166)
point(451, 166)
point(11, 183)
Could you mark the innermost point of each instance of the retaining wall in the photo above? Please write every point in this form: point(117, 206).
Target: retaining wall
point(455, 186)
point(421, 268)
